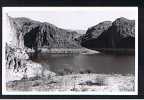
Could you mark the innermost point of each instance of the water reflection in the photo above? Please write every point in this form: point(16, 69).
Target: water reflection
point(95, 63)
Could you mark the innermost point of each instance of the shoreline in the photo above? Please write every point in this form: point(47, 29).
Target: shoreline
point(32, 76)
point(46, 51)
point(81, 51)
point(65, 50)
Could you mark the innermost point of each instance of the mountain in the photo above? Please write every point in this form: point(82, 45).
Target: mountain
point(119, 34)
point(95, 31)
point(28, 33)
point(34, 34)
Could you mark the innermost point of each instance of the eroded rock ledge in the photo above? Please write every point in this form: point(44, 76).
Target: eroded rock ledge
point(18, 65)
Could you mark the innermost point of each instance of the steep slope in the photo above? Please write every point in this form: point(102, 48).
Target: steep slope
point(88, 39)
point(124, 32)
point(47, 35)
point(34, 34)
point(106, 35)
point(20, 26)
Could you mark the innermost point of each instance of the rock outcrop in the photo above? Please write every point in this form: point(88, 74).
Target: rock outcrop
point(107, 35)
point(18, 65)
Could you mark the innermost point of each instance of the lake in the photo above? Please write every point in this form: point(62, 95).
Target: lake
point(92, 63)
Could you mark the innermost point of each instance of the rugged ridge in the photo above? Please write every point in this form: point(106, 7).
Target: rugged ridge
point(49, 36)
point(34, 34)
point(119, 34)
point(95, 31)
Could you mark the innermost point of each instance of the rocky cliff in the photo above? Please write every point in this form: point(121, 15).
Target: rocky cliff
point(18, 65)
point(111, 35)
point(34, 34)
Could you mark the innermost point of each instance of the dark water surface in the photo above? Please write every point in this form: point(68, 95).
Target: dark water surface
point(95, 63)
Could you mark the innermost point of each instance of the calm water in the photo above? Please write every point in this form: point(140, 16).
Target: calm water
point(95, 63)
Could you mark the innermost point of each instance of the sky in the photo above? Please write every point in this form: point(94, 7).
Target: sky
point(80, 18)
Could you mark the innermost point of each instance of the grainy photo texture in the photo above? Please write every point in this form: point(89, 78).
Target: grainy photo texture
point(70, 50)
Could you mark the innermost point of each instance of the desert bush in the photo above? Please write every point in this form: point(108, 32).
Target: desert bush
point(100, 81)
point(81, 72)
point(87, 71)
point(67, 71)
point(60, 73)
point(36, 84)
point(24, 77)
point(74, 89)
point(34, 78)
point(84, 89)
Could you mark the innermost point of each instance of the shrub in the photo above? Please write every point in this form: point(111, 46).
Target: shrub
point(100, 80)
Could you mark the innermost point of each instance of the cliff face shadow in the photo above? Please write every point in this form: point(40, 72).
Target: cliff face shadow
point(30, 38)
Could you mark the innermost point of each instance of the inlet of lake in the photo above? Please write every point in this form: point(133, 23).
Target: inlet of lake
point(88, 63)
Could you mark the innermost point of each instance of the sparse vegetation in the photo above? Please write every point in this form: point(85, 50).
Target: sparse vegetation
point(101, 81)
point(77, 82)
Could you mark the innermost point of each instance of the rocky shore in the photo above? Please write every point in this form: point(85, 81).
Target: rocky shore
point(19, 66)
point(22, 74)
point(76, 82)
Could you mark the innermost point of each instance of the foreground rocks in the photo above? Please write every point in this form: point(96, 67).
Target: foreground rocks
point(18, 65)
point(77, 82)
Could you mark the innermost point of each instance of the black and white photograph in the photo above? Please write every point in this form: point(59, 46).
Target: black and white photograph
point(69, 50)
